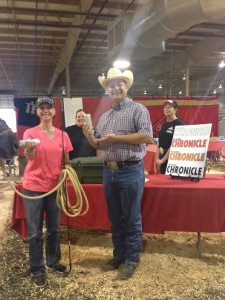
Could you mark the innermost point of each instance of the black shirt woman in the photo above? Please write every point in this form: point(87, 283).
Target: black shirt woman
point(166, 135)
point(81, 146)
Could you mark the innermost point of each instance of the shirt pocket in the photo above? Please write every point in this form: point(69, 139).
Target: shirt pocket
point(124, 127)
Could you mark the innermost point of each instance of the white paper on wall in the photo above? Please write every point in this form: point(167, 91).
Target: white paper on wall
point(71, 105)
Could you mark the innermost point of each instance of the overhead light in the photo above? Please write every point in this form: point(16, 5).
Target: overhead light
point(160, 86)
point(145, 92)
point(103, 74)
point(214, 92)
point(220, 86)
point(63, 90)
point(184, 77)
point(180, 92)
point(222, 64)
point(121, 64)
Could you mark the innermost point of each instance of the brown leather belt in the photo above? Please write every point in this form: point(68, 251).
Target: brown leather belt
point(116, 165)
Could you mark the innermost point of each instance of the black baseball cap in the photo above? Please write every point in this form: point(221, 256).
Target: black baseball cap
point(45, 99)
point(172, 102)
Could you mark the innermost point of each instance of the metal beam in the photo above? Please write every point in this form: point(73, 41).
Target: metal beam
point(53, 24)
point(70, 44)
point(196, 54)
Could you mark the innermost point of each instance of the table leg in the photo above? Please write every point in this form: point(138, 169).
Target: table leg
point(199, 244)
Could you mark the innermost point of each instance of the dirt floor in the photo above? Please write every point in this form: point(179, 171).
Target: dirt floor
point(169, 270)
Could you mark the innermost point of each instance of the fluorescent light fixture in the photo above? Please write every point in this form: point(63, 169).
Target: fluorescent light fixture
point(63, 90)
point(121, 64)
point(222, 64)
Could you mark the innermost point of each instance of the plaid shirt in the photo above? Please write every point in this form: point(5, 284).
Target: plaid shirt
point(126, 118)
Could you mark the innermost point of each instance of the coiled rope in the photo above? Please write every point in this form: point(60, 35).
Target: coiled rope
point(81, 205)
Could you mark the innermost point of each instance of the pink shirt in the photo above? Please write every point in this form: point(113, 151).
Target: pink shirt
point(42, 173)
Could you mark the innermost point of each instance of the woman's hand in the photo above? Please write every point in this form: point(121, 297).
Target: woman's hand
point(28, 146)
point(159, 162)
point(29, 150)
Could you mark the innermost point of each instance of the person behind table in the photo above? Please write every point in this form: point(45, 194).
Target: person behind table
point(41, 176)
point(123, 132)
point(81, 147)
point(166, 134)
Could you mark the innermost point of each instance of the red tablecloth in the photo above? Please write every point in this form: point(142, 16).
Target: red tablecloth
point(96, 217)
point(149, 159)
point(215, 150)
point(167, 205)
point(215, 145)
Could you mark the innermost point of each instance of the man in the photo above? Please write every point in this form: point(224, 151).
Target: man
point(123, 132)
point(81, 148)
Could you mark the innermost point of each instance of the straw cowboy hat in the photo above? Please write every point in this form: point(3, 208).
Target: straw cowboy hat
point(115, 73)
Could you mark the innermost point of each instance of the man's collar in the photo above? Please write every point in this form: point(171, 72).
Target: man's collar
point(121, 104)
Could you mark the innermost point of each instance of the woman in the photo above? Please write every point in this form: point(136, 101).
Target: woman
point(41, 176)
point(81, 146)
point(166, 135)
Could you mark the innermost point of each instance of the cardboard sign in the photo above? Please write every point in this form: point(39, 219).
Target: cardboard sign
point(189, 150)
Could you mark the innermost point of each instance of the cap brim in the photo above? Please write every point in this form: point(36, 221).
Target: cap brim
point(171, 103)
point(42, 102)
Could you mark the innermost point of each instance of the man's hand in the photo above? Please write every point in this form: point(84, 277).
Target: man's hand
point(109, 139)
point(87, 130)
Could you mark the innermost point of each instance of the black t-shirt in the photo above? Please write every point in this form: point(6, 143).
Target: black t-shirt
point(81, 146)
point(166, 133)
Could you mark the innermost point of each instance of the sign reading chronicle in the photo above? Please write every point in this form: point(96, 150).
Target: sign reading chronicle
point(188, 150)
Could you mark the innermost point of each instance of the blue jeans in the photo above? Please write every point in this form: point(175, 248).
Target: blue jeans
point(35, 215)
point(123, 192)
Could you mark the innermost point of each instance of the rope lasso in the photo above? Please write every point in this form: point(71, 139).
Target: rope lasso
point(81, 205)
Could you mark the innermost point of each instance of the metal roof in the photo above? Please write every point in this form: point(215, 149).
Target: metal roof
point(47, 46)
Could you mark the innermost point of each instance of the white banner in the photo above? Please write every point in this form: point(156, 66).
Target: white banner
point(71, 105)
point(189, 150)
